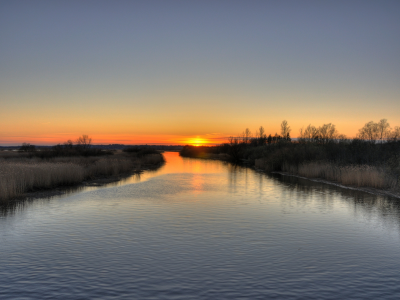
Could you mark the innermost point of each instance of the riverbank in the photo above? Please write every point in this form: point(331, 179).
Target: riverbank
point(22, 177)
point(352, 163)
point(374, 191)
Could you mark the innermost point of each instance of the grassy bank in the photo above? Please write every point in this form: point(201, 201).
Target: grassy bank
point(26, 172)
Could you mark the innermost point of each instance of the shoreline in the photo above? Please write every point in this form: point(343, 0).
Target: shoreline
point(23, 178)
point(373, 191)
point(61, 190)
point(245, 163)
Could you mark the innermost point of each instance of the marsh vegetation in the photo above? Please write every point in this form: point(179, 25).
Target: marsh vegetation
point(63, 165)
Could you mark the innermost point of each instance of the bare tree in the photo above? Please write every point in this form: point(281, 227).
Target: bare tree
point(327, 132)
point(233, 140)
point(309, 134)
point(395, 134)
point(323, 134)
point(68, 144)
point(246, 136)
point(383, 128)
point(84, 141)
point(261, 132)
point(370, 132)
point(285, 129)
point(260, 136)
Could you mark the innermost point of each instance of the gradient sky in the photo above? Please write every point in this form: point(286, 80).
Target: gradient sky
point(168, 71)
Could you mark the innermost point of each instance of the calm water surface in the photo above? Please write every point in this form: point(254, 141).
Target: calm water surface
point(199, 229)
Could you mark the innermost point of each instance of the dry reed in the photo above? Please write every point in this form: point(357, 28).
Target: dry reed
point(352, 175)
point(359, 176)
point(20, 175)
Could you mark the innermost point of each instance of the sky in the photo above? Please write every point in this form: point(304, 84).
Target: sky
point(171, 72)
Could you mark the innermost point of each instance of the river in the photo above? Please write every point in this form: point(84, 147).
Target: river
point(203, 229)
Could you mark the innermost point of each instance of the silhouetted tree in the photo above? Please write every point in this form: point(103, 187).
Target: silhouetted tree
point(288, 137)
point(323, 134)
point(26, 147)
point(369, 132)
point(246, 136)
point(285, 129)
point(69, 144)
point(383, 129)
point(260, 137)
point(276, 138)
point(309, 134)
point(84, 142)
point(327, 132)
point(395, 134)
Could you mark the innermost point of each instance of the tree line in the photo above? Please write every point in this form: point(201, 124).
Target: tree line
point(260, 137)
point(81, 147)
point(371, 131)
point(82, 142)
point(379, 131)
point(376, 144)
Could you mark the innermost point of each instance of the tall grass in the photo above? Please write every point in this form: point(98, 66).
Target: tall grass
point(111, 166)
point(358, 176)
point(353, 175)
point(17, 178)
point(21, 175)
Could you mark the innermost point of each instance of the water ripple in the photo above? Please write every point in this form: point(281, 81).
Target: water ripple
point(203, 230)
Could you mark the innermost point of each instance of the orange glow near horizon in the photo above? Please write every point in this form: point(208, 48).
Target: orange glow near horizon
point(126, 139)
point(53, 135)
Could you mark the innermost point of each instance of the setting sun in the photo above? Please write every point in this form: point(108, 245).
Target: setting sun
point(197, 141)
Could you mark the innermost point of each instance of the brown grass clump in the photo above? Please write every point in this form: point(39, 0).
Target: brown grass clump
point(19, 174)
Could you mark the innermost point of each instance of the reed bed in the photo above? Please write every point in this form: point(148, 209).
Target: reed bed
point(18, 178)
point(351, 175)
point(358, 175)
point(109, 166)
point(21, 175)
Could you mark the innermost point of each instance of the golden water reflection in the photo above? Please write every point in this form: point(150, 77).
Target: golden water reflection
point(177, 164)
